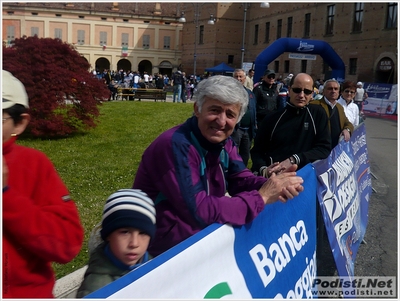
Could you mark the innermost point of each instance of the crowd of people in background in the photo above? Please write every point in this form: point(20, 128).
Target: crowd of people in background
point(268, 95)
point(271, 91)
point(134, 79)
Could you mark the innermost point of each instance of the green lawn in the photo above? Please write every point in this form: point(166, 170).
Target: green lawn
point(96, 164)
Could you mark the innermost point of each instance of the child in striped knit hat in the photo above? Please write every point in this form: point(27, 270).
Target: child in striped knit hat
point(128, 226)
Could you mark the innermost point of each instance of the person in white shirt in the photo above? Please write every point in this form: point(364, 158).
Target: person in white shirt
point(146, 79)
point(136, 78)
point(346, 100)
point(360, 96)
point(249, 84)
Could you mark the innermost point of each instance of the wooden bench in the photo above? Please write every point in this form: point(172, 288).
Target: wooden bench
point(127, 93)
point(155, 94)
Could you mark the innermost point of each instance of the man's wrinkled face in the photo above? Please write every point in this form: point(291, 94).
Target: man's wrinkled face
point(240, 76)
point(331, 91)
point(217, 120)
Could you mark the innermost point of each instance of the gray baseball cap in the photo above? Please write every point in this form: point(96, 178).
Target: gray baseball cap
point(13, 91)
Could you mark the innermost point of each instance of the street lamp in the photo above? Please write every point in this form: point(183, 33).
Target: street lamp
point(211, 21)
point(246, 6)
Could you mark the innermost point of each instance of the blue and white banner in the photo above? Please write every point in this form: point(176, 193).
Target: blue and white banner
point(382, 98)
point(344, 190)
point(273, 256)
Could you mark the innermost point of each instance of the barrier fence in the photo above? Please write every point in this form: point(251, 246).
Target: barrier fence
point(275, 255)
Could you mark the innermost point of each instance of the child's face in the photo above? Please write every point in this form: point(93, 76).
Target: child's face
point(128, 244)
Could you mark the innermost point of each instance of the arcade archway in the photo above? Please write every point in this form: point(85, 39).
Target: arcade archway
point(101, 64)
point(145, 65)
point(125, 65)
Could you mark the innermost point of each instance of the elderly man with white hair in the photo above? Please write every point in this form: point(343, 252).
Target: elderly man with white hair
point(188, 169)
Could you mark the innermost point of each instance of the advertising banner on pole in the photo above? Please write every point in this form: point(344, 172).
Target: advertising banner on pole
point(382, 99)
point(344, 190)
point(273, 256)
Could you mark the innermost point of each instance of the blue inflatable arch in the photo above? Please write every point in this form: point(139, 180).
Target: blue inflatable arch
point(282, 45)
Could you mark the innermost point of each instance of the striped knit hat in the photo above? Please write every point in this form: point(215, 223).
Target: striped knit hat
point(128, 208)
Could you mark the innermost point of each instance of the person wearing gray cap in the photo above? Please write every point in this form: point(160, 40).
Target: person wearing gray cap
point(360, 96)
point(266, 94)
point(41, 223)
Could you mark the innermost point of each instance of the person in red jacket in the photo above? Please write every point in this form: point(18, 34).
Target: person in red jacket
point(41, 223)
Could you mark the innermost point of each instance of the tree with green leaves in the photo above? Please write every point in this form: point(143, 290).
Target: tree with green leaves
point(63, 94)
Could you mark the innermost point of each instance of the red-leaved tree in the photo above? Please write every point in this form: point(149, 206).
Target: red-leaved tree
point(63, 94)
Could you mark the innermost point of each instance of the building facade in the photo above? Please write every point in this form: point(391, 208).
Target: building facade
point(364, 35)
point(129, 36)
point(154, 37)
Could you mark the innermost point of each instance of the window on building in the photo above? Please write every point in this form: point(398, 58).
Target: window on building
point(34, 31)
point(125, 20)
point(330, 19)
point(125, 39)
point(230, 58)
point(58, 33)
point(267, 27)
point(353, 66)
point(307, 25)
point(304, 66)
point(358, 16)
point(256, 28)
point(276, 66)
point(103, 19)
point(289, 27)
point(10, 34)
point(167, 42)
point(81, 37)
point(146, 41)
point(103, 38)
point(287, 66)
point(81, 17)
point(34, 14)
point(58, 15)
point(391, 16)
point(201, 34)
point(279, 29)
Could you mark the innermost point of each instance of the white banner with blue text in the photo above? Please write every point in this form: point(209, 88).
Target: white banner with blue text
point(344, 190)
point(271, 257)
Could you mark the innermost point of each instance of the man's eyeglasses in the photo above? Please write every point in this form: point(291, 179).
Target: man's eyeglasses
point(6, 118)
point(298, 91)
point(271, 76)
point(348, 91)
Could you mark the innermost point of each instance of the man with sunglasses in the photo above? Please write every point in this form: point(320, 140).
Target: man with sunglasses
point(296, 134)
point(266, 94)
point(339, 124)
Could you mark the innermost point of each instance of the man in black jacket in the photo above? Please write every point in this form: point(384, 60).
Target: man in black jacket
point(266, 94)
point(297, 134)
